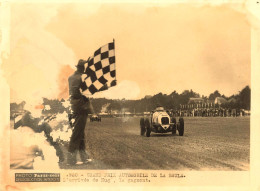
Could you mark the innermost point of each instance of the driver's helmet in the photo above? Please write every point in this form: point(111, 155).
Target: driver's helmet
point(159, 108)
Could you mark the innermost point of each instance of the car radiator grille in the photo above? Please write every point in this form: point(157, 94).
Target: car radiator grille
point(165, 120)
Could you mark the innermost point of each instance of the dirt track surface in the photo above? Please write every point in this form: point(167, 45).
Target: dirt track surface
point(208, 144)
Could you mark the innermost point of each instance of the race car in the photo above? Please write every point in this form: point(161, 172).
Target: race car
point(95, 117)
point(160, 121)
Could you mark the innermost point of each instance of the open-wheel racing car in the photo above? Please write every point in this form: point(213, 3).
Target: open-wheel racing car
point(160, 121)
point(95, 117)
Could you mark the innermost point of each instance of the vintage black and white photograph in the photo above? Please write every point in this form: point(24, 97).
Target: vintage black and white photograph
point(128, 86)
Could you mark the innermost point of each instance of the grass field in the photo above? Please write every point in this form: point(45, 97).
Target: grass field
point(208, 144)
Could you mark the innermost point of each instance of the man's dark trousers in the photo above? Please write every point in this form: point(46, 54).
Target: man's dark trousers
point(77, 140)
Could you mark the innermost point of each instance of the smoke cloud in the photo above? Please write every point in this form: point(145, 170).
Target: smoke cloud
point(39, 62)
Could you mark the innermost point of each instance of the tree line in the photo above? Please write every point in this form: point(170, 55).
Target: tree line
point(241, 100)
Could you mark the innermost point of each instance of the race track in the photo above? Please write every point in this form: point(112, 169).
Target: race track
point(212, 143)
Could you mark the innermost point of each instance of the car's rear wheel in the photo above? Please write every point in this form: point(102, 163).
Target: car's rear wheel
point(174, 125)
point(181, 126)
point(142, 127)
point(147, 127)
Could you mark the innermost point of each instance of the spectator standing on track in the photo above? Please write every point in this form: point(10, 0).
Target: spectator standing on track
point(81, 107)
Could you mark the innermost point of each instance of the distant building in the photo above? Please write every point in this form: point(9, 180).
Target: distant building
point(196, 100)
point(220, 100)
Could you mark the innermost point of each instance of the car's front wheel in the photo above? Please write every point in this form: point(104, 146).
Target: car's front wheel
point(174, 125)
point(181, 127)
point(142, 127)
point(147, 127)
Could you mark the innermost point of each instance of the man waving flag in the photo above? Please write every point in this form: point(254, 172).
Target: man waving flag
point(100, 71)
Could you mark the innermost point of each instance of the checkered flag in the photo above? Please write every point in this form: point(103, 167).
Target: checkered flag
point(100, 73)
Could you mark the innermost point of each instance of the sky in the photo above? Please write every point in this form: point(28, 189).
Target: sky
point(158, 48)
